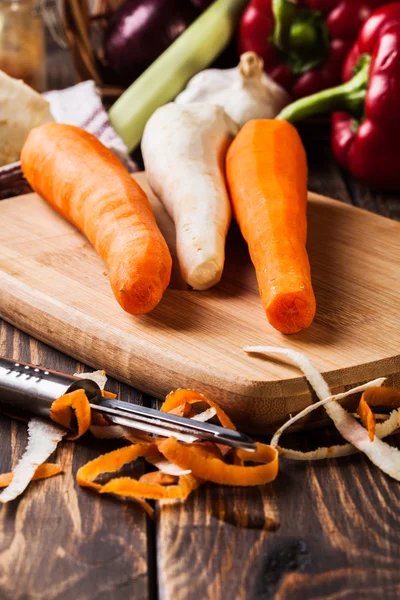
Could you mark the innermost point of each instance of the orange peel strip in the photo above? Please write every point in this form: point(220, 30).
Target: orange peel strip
point(175, 399)
point(131, 488)
point(376, 396)
point(111, 462)
point(159, 477)
point(211, 468)
point(367, 417)
point(128, 487)
point(203, 459)
point(106, 394)
point(382, 396)
point(61, 412)
point(42, 472)
point(98, 420)
point(183, 410)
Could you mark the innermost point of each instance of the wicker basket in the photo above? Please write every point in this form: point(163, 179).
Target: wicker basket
point(84, 26)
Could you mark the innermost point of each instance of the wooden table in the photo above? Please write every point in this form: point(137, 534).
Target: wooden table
point(322, 530)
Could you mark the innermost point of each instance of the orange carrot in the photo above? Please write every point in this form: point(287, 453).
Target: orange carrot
point(267, 178)
point(85, 182)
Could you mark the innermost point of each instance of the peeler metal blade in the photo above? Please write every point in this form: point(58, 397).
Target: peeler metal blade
point(187, 430)
point(32, 390)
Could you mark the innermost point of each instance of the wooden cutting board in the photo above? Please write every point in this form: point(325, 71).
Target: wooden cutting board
point(54, 286)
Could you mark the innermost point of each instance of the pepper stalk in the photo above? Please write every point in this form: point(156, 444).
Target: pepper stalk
point(348, 97)
point(300, 35)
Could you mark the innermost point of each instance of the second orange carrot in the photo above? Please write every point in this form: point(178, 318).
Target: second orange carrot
point(267, 179)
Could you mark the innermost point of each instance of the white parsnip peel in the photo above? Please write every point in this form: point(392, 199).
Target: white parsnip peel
point(386, 457)
point(98, 377)
point(206, 415)
point(167, 467)
point(43, 438)
point(382, 430)
point(306, 411)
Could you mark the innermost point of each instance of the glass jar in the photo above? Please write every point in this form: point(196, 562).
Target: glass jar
point(22, 43)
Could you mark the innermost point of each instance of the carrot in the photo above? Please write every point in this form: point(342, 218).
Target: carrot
point(267, 179)
point(85, 182)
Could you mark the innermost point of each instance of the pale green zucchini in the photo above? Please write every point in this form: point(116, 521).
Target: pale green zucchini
point(192, 52)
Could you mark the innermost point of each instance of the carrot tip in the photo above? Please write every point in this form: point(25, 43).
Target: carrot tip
point(141, 296)
point(291, 312)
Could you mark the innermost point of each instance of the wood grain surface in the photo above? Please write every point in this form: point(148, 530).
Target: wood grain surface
point(49, 276)
point(60, 541)
point(326, 530)
point(322, 530)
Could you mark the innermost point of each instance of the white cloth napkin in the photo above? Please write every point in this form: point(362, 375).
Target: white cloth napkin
point(79, 105)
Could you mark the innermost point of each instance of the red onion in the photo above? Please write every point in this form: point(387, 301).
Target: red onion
point(201, 4)
point(140, 30)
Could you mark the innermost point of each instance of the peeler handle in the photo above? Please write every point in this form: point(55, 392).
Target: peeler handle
point(32, 389)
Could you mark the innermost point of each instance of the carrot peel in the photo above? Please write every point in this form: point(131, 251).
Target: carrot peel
point(62, 411)
point(216, 470)
point(127, 486)
point(367, 417)
point(181, 396)
point(376, 396)
point(381, 396)
point(43, 471)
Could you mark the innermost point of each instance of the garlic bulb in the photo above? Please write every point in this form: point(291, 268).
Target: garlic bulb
point(245, 92)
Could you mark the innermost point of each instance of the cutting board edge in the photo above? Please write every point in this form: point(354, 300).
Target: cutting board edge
point(136, 360)
point(277, 397)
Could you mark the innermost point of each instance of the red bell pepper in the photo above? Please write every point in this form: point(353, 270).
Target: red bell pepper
point(303, 42)
point(366, 137)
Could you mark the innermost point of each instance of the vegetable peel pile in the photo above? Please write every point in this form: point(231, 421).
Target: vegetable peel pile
point(386, 457)
point(183, 467)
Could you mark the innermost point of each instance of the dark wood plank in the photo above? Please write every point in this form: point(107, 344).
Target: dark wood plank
point(386, 204)
point(60, 541)
point(321, 530)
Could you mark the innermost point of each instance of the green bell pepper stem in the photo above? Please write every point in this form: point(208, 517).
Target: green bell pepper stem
point(284, 16)
point(300, 34)
point(303, 36)
point(348, 97)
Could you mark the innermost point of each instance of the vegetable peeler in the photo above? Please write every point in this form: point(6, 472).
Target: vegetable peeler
point(32, 390)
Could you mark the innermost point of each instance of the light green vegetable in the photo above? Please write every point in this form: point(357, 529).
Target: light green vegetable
point(192, 52)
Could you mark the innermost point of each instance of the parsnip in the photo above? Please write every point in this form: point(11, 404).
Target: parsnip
point(184, 151)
